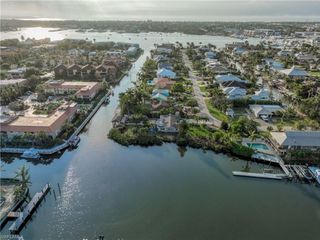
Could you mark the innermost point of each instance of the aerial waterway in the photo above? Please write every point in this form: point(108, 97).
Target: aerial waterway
point(161, 192)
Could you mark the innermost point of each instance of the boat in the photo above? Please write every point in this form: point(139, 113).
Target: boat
point(305, 173)
point(74, 141)
point(31, 154)
point(316, 173)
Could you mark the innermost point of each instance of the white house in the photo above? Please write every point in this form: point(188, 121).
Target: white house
point(234, 92)
point(262, 94)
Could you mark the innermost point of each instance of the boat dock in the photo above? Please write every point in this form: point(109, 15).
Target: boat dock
point(259, 175)
point(25, 215)
point(273, 160)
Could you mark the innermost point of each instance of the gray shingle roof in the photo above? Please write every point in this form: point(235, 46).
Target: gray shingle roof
point(297, 138)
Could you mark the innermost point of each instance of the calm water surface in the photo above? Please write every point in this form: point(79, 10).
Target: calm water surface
point(161, 192)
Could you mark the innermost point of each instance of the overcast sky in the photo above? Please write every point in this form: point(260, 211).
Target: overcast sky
point(192, 10)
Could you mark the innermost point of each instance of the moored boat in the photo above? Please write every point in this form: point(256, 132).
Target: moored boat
point(316, 173)
point(31, 153)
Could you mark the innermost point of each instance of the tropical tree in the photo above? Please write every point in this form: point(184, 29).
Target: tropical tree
point(23, 175)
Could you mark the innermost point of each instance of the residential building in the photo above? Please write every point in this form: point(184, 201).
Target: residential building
point(265, 110)
point(60, 71)
point(50, 124)
point(164, 83)
point(233, 93)
point(168, 123)
point(295, 73)
point(284, 141)
point(82, 90)
point(7, 82)
point(166, 73)
point(228, 78)
point(262, 94)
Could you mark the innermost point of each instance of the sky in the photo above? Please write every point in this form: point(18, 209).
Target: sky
point(179, 10)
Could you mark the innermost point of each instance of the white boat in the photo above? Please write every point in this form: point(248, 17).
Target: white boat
point(31, 153)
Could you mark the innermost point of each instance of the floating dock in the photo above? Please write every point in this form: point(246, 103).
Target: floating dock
point(24, 216)
point(259, 175)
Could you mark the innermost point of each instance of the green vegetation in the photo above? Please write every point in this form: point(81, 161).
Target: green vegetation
point(24, 177)
point(46, 109)
point(216, 112)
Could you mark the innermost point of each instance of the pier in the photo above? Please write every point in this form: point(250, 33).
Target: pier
point(259, 175)
point(25, 215)
point(273, 160)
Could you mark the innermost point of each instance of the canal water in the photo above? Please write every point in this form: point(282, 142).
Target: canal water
point(159, 192)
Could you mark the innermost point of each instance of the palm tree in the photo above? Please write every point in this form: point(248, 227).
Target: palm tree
point(23, 175)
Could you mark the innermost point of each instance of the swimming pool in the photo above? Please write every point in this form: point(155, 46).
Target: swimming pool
point(258, 146)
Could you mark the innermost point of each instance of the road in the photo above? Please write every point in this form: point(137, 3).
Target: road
point(198, 94)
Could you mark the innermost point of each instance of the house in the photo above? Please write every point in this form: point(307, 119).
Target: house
point(233, 84)
point(233, 93)
point(7, 82)
point(60, 71)
point(132, 51)
point(165, 65)
point(164, 83)
point(295, 73)
point(217, 68)
point(168, 123)
point(101, 72)
point(262, 94)
point(238, 51)
point(88, 71)
point(284, 141)
point(230, 112)
point(51, 124)
point(163, 50)
point(166, 73)
point(228, 78)
point(265, 111)
point(210, 55)
point(274, 65)
point(17, 73)
point(285, 53)
point(74, 71)
point(305, 58)
point(82, 90)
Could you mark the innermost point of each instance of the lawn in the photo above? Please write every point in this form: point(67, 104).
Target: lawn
point(216, 112)
point(199, 131)
point(314, 74)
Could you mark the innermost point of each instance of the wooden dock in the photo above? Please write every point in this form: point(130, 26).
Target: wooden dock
point(24, 216)
point(259, 175)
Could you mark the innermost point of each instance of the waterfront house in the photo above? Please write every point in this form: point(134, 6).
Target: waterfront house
point(60, 71)
point(284, 141)
point(167, 123)
point(262, 94)
point(266, 111)
point(233, 93)
point(166, 73)
point(51, 124)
